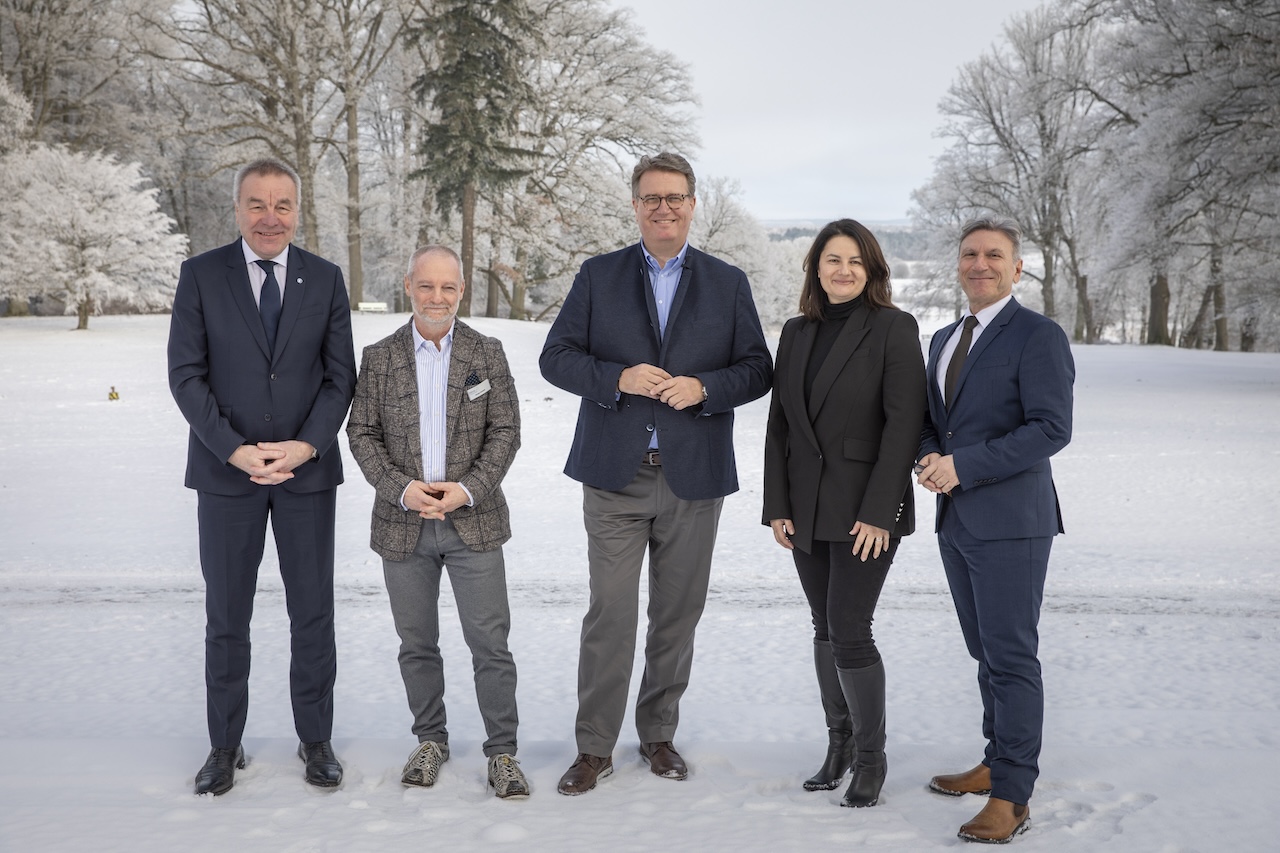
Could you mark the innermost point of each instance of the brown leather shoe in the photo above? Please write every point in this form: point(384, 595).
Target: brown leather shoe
point(998, 822)
point(583, 774)
point(663, 760)
point(975, 781)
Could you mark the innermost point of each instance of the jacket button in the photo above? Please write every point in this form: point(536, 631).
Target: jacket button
point(950, 434)
point(266, 417)
point(649, 427)
point(274, 377)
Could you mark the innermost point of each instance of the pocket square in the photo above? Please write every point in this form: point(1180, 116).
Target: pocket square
point(472, 379)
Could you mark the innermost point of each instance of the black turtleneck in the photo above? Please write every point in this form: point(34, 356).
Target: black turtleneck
point(828, 331)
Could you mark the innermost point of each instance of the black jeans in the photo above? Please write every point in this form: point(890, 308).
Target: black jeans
point(842, 592)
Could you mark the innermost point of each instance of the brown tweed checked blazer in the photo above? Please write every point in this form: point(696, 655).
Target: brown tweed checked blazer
point(482, 436)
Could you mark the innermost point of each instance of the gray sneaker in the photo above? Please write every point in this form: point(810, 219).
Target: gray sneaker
point(506, 777)
point(423, 766)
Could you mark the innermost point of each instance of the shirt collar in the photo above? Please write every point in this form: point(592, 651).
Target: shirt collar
point(986, 315)
point(250, 256)
point(674, 263)
point(446, 343)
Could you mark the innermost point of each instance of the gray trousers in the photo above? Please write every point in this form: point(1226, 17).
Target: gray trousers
point(680, 536)
point(479, 584)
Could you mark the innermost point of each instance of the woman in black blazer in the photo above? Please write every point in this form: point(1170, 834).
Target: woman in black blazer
point(844, 425)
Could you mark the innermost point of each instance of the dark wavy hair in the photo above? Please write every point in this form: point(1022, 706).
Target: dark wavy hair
point(877, 294)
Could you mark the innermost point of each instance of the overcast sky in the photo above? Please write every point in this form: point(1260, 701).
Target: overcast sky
point(822, 108)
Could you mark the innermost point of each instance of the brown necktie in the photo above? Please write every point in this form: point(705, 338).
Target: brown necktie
point(958, 357)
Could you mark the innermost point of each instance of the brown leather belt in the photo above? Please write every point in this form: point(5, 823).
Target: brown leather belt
point(651, 457)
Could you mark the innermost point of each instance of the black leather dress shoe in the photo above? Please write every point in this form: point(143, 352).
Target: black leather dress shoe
point(323, 769)
point(219, 771)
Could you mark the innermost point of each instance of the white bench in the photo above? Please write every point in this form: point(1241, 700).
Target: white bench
point(371, 307)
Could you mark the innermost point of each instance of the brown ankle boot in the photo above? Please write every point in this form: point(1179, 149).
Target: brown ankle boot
point(997, 823)
point(975, 781)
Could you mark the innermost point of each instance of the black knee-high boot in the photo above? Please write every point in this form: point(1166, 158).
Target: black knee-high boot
point(839, 727)
point(864, 693)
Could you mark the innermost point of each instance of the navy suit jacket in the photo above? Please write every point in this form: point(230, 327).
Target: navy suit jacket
point(609, 322)
point(233, 391)
point(1011, 412)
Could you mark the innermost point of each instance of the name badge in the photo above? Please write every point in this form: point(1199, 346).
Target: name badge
point(475, 392)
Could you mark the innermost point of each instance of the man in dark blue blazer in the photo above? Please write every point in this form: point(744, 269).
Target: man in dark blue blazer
point(661, 341)
point(1000, 399)
point(262, 367)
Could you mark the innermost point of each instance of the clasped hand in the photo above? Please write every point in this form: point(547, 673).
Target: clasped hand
point(646, 380)
point(937, 473)
point(433, 501)
point(270, 463)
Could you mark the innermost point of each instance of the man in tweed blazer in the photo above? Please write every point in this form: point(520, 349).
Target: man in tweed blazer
point(434, 427)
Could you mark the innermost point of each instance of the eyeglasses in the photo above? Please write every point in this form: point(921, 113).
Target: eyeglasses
point(675, 201)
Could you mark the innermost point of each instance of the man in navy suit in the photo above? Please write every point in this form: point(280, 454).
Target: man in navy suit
point(1000, 398)
point(262, 367)
point(661, 341)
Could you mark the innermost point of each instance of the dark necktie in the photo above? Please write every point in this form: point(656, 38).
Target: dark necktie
point(269, 303)
point(958, 357)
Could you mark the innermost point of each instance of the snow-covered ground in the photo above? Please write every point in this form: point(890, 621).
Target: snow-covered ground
point(1159, 639)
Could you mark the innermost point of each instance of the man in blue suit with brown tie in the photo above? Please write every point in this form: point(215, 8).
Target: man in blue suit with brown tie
point(1000, 398)
point(262, 367)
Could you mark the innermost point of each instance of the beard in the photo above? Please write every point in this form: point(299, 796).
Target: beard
point(431, 322)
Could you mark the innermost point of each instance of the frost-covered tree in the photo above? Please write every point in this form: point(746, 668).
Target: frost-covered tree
point(86, 230)
point(366, 33)
point(265, 68)
point(1022, 127)
point(1197, 177)
point(74, 61)
point(476, 91)
point(15, 117)
point(601, 97)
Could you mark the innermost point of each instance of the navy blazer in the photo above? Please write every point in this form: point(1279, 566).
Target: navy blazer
point(233, 391)
point(609, 322)
point(845, 455)
point(1011, 412)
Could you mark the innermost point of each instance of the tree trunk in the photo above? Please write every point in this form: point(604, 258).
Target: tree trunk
point(1084, 330)
point(468, 245)
point(304, 165)
point(1046, 287)
point(1193, 337)
point(1158, 321)
point(1248, 333)
point(493, 296)
point(1221, 336)
point(355, 257)
point(519, 288)
point(83, 310)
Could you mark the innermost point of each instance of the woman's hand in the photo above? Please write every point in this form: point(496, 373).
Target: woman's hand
point(782, 530)
point(870, 540)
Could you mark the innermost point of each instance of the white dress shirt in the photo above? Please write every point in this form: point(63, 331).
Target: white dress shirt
point(985, 316)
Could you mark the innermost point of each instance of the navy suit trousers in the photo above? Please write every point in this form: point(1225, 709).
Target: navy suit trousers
point(232, 537)
point(997, 586)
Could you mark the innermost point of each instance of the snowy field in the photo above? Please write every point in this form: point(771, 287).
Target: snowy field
point(1159, 639)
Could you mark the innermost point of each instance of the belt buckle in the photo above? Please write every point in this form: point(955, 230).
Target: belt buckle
point(651, 458)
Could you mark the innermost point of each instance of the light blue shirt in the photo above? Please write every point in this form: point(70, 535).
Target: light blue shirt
point(663, 280)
